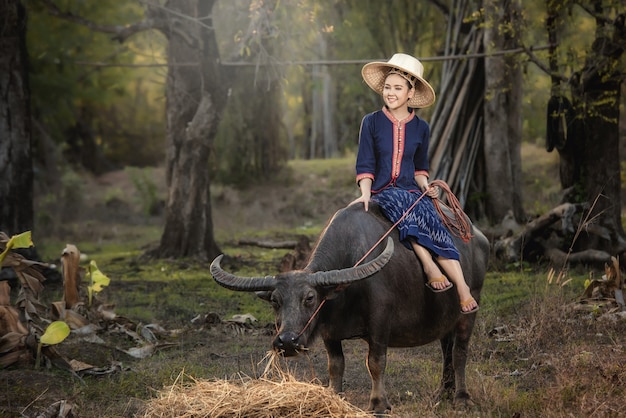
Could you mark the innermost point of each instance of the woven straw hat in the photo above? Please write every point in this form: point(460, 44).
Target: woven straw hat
point(375, 73)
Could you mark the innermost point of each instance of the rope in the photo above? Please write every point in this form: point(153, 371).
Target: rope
point(458, 223)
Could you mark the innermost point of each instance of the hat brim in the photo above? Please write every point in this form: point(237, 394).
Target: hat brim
point(375, 73)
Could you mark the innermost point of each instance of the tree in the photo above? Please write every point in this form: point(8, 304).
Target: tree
point(16, 171)
point(503, 121)
point(196, 98)
point(94, 106)
point(595, 90)
point(195, 101)
point(251, 140)
point(589, 147)
point(584, 128)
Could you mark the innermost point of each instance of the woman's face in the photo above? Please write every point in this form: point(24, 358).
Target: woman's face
point(397, 92)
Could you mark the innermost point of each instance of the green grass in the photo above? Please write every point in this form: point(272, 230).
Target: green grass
point(544, 338)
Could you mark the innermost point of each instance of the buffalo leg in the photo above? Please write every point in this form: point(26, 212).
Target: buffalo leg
point(376, 364)
point(336, 364)
point(447, 387)
point(459, 357)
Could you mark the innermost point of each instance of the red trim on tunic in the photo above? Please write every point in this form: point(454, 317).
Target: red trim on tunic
point(364, 176)
point(399, 132)
point(422, 172)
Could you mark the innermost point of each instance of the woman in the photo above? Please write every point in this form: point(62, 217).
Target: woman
point(392, 170)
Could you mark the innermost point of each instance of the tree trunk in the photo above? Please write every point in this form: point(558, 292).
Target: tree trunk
point(596, 100)
point(16, 170)
point(195, 100)
point(503, 122)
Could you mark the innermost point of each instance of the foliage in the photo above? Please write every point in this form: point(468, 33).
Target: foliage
point(97, 281)
point(148, 192)
point(22, 240)
point(250, 144)
point(123, 106)
point(80, 96)
point(55, 333)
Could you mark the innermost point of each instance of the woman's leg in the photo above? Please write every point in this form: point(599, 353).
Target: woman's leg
point(455, 273)
point(435, 278)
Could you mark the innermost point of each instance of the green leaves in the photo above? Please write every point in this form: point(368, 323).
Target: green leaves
point(56, 332)
point(97, 280)
point(22, 240)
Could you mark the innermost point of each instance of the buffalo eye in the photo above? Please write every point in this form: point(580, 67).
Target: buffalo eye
point(309, 299)
point(275, 302)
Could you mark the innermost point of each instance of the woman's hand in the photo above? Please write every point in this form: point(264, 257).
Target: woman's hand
point(432, 191)
point(363, 198)
point(365, 185)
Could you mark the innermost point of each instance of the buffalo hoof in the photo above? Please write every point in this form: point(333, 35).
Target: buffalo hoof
point(462, 400)
point(380, 408)
point(444, 394)
point(382, 414)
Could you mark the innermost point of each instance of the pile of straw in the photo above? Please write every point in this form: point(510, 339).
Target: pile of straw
point(276, 394)
point(250, 398)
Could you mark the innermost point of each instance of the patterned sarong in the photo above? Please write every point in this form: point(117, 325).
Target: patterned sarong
point(422, 224)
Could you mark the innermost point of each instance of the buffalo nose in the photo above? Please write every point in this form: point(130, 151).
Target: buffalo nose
point(287, 343)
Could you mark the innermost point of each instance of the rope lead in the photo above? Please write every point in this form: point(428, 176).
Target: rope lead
point(457, 223)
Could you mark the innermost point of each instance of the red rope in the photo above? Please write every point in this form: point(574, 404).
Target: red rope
point(458, 223)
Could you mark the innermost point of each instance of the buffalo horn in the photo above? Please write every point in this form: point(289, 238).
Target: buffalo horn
point(353, 274)
point(245, 284)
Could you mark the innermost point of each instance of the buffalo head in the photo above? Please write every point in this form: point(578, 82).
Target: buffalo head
point(297, 295)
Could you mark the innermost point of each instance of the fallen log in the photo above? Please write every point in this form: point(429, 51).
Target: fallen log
point(561, 259)
point(511, 249)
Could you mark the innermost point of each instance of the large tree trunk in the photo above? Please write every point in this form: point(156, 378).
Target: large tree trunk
point(16, 171)
point(195, 100)
point(596, 100)
point(503, 122)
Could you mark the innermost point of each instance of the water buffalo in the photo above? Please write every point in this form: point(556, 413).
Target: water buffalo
point(383, 301)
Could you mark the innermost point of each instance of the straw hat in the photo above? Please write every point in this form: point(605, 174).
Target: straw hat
point(375, 73)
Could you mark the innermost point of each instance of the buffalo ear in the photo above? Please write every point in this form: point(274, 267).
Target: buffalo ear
point(266, 295)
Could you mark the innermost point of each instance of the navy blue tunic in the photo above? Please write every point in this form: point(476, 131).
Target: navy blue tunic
point(392, 153)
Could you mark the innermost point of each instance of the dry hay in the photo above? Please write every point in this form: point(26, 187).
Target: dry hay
point(281, 395)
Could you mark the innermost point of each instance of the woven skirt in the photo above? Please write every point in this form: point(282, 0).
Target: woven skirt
point(422, 224)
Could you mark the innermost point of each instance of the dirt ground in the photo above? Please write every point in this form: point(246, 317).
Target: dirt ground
point(503, 373)
point(213, 349)
point(209, 349)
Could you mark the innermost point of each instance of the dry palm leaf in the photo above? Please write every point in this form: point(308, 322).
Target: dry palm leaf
point(70, 260)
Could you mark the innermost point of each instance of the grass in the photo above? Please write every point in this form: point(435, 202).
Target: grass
point(533, 352)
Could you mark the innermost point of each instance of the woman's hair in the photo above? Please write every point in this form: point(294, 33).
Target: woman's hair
point(408, 77)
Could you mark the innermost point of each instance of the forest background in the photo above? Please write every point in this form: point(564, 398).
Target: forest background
point(267, 82)
point(230, 95)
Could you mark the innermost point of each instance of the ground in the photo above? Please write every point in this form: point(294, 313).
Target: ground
point(532, 354)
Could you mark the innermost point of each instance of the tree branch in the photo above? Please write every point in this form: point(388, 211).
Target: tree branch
point(599, 18)
point(121, 33)
point(158, 18)
point(535, 60)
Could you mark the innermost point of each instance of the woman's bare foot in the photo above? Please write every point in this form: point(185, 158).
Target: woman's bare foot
point(469, 305)
point(439, 284)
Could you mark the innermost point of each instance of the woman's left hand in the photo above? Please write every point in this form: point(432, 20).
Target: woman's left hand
point(432, 192)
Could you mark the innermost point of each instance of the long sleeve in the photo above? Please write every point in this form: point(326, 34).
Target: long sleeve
point(366, 156)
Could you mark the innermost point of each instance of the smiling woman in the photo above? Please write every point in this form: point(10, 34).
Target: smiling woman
point(392, 170)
